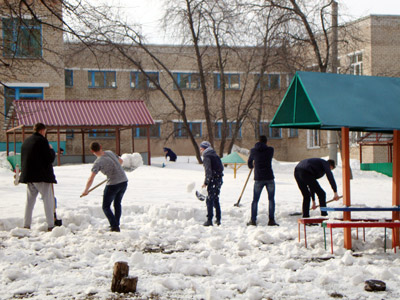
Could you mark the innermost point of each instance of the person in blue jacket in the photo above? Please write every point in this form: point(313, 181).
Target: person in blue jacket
point(306, 174)
point(169, 153)
point(261, 160)
point(213, 181)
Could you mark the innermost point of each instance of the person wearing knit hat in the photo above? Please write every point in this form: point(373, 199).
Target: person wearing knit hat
point(205, 144)
point(213, 181)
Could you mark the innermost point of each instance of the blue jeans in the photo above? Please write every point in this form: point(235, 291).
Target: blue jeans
point(258, 187)
point(113, 193)
point(213, 189)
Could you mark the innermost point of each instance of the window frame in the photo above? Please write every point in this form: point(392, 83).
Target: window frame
point(105, 134)
point(356, 63)
point(69, 77)
point(290, 132)
point(190, 76)
point(218, 129)
point(266, 84)
point(270, 132)
point(22, 42)
point(228, 81)
point(92, 79)
point(313, 139)
point(136, 76)
point(20, 95)
point(156, 127)
point(180, 131)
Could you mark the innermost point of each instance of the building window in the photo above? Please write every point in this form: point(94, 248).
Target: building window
point(142, 82)
point(293, 132)
point(195, 128)
point(189, 81)
point(102, 79)
point(155, 131)
point(356, 63)
point(232, 81)
point(270, 132)
point(69, 133)
point(229, 135)
point(103, 133)
point(313, 140)
point(21, 93)
point(22, 38)
point(289, 79)
point(268, 81)
point(69, 78)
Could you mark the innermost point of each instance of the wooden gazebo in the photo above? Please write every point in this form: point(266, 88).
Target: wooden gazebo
point(81, 116)
point(347, 103)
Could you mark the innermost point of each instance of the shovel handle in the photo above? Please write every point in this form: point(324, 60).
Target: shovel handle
point(95, 187)
point(241, 194)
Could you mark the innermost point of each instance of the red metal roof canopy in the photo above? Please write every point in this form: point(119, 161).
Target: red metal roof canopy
point(86, 115)
point(82, 112)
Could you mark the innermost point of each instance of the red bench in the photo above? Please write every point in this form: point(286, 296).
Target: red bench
point(357, 224)
point(306, 221)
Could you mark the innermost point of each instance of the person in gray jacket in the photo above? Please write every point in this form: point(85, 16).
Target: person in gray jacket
point(109, 164)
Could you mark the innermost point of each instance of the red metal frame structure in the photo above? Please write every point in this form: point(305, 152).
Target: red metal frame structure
point(82, 116)
point(376, 140)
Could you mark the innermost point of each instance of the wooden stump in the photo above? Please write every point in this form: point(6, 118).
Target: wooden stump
point(121, 283)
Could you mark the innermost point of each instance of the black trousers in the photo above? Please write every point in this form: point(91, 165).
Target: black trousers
point(307, 185)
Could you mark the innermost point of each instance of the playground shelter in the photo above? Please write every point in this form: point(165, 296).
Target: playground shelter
point(81, 116)
point(346, 103)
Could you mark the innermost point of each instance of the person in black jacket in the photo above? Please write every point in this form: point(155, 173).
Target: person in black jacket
point(261, 155)
point(306, 174)
point(213, 181)
point(169, 153)
point(37, 157)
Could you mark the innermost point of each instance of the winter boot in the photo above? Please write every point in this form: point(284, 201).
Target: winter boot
point(272, 222)
point(251, 223)
point(208, 223)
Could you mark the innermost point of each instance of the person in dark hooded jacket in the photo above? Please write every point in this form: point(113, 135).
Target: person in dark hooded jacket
point(213, 181)
point(261, 160)
point(37, 158)
point(169, 153)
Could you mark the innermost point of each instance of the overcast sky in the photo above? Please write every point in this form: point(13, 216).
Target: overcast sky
point(148, 12)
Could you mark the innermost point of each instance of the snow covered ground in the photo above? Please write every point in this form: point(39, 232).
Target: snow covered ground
point(174, 256)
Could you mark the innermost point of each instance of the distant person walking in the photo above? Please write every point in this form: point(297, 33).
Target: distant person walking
point(306, 174)
point(261, 160)
point(213, 181)
point(169, 153)
point(37, 157)
point(109, 164)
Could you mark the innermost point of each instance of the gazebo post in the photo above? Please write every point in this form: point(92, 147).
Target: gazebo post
point(58, 147)
point(148, 146)
point(396, 184)
point(346, 183)
point(7, 145)
point(118, 141)
point(83, 146)
point(133, 140)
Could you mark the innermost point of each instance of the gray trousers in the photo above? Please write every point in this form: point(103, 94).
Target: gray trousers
point(46, 191)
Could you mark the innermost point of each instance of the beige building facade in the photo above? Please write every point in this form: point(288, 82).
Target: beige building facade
point(61, 70)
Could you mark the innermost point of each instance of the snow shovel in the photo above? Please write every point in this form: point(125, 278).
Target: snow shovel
point(329, 201)
point(245, 184)
point(95, 187)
